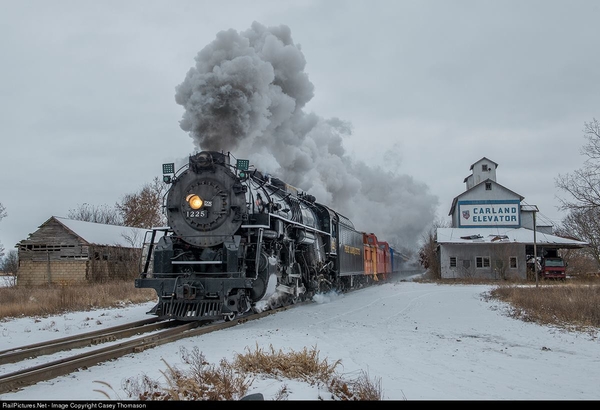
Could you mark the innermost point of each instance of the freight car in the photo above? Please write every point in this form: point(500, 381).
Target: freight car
point(239, 240)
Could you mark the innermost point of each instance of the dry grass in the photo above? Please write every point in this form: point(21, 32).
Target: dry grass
point(56, 299)
point(572, 304)
point(202, 381)
point(232, 380)
point(569, 305)
point(304, 365)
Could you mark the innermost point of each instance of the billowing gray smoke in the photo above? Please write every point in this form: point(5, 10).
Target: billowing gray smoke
point(246, 95)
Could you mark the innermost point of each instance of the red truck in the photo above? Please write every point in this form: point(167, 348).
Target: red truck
point(553, 267)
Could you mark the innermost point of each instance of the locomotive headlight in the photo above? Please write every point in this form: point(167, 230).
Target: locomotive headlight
point(195, 201)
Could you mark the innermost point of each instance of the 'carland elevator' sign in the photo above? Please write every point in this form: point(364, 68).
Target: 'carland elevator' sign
point(489, 214)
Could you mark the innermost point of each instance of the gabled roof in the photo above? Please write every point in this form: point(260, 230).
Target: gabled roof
point(476, 162)
point(103, 234)
point(504, 235)
point(455, 200)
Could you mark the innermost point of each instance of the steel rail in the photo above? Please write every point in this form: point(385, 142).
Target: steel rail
point(26, 377)
point(82, 340)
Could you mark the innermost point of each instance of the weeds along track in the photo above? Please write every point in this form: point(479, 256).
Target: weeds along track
point(158, 332)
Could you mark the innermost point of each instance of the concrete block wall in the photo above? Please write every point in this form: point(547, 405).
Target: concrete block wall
point(34, 273)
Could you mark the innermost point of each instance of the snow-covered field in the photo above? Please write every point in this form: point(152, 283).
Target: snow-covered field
point(421, 341)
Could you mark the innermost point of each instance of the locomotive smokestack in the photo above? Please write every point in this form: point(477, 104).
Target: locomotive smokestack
point(206, 159)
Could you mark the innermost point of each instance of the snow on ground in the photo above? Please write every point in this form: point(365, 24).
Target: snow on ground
point(420, 341)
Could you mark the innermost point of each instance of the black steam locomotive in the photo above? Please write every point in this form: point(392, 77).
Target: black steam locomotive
point(240, 241)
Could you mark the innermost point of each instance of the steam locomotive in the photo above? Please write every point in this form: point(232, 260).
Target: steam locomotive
point(240, 241)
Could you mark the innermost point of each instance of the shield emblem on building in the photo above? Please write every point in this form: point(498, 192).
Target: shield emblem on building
point(466, 214)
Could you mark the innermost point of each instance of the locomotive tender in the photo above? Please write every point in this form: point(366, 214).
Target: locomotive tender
point(238, 240)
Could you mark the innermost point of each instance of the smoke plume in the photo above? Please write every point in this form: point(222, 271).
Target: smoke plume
point(246, 95)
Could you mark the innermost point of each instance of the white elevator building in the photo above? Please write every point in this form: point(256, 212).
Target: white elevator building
point(492, 234)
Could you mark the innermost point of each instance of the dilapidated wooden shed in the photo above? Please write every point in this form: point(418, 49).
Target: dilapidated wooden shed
point(66, 251)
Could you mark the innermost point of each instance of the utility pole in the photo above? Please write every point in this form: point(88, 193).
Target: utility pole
point(535, 269)
point(534, 209)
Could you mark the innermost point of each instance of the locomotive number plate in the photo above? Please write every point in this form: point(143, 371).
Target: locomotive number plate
point(197, 214)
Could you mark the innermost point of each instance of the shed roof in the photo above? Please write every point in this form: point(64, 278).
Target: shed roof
point(493, 235)
point(103, 234)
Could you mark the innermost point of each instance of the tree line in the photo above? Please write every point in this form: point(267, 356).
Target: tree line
point(141, 209)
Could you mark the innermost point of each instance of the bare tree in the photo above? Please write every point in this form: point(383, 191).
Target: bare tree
point(102, 214)
point(583, 185)
point(580, 262)
point(3, 214)
point(10, 263)
point(466, 269)
point(592, 134)
point(133, 238)
point(584, 224)
point(501, 253)
point(144, 208)
point(428, 256)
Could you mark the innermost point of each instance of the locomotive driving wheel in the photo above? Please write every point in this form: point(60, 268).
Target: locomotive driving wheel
point(324, 284)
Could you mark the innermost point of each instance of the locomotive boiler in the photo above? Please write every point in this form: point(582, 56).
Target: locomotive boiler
point(238, 240)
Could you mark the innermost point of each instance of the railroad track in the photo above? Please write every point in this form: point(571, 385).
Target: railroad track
point(82, 340)
point(164, 332)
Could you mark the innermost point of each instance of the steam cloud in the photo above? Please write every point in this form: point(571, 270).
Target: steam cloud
point(246, 95)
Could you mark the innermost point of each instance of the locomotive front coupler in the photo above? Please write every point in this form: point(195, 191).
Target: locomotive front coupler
point(188, 292)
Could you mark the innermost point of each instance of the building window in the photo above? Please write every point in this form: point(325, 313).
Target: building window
point(484, 168)
point(513, 262)
point(488, 186)
point(453, 262)
point(482, 262)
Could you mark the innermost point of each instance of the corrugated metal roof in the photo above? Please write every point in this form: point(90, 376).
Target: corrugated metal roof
point(492, 235)
point(103, 234)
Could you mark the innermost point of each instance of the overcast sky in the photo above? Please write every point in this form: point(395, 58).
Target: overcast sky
point(422, 89)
